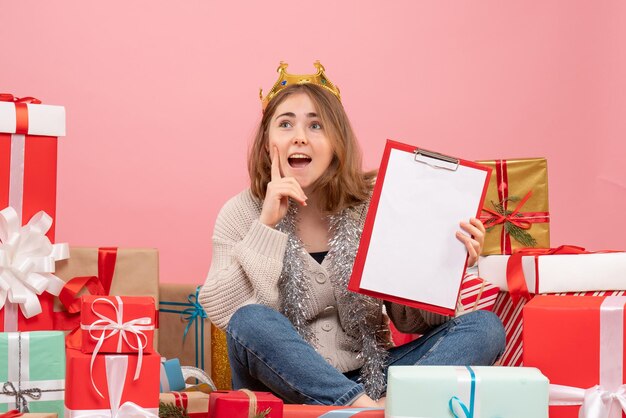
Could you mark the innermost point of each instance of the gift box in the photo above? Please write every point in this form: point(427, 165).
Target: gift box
point(185, 328)
point(579, 343)
point(238, 404)
point(195, 403)
point(28, 155)
point(117, 324)
point(105, 271)
point(519, 274)
point(115, 382)
point(32, 370)
point(16, 414)
point(557, 270)
point(171, 374)
point(476, 294)
point(322, 411)
point(510, 313)
point(220, 365)
point(516, 211)
point(443, 391)
point(27, 264)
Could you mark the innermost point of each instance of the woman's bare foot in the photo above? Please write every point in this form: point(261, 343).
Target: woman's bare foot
point(364, 401)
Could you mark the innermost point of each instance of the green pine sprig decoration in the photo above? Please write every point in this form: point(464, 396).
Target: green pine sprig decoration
point(520, 235)
point(263, 414)
point(169, 410)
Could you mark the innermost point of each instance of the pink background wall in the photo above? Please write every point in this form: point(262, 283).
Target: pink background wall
point(162, 100)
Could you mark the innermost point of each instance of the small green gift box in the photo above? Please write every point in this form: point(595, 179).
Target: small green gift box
point(32, 371)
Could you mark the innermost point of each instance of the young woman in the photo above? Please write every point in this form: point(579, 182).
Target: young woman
point(282, 256)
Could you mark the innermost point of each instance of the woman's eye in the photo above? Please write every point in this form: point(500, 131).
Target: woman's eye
point(284, 124)
point(316, 125)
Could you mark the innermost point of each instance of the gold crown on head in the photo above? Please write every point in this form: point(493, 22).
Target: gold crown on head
point(285, 79)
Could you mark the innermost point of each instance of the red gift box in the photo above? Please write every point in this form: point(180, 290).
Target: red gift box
point(510, 313)
point(117, 324)
point(28, 155)
point(113, 384)
point(579, 343)
point(28, 170)
point(237, 404)
point(319, 411)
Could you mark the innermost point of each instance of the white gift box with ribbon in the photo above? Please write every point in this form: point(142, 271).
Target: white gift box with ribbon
point(558, 273)
point(466, 392)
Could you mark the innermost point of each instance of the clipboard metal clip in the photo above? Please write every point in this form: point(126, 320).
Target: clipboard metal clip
point(436, 160)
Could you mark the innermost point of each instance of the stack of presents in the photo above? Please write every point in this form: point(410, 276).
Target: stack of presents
point(90, 332)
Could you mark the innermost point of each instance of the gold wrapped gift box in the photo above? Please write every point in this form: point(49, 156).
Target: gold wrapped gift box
point(516, 205)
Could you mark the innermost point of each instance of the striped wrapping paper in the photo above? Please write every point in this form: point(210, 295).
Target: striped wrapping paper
point(511, 316)
point(476, 294)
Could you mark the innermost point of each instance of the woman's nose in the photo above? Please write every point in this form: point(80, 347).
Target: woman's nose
point(300, 137)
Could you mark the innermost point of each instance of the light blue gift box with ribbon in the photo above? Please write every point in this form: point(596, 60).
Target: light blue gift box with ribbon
point(466, 392)
point(32, 371)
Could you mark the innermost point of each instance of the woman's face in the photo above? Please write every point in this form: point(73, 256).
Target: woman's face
point(304, 150)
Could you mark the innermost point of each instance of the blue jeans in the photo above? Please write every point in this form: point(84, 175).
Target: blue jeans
point(267, 354)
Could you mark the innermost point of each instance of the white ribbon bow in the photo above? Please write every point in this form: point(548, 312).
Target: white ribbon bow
point(596, 402)
point(117, 326)
point(27, 261)
point(116, 367)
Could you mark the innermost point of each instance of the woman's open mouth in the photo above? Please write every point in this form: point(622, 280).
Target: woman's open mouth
point(299, 160)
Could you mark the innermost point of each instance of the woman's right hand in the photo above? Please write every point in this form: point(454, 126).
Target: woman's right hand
point(277, 195)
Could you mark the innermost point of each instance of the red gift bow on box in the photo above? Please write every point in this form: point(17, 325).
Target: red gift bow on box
point(21, 110)
point(117, 326)
point(520, 219)
point(515, 278)
point(608, 398)
point(99, 285)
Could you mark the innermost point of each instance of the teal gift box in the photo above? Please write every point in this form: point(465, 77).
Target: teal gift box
point(32, 371)
point(466, 392)
point(171, 376)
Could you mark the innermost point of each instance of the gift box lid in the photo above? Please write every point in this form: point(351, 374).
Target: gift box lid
point(43, 120)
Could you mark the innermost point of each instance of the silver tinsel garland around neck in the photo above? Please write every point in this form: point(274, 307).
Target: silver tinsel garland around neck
point(360, 315)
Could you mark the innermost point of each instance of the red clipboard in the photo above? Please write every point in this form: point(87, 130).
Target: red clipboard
point(388, 267)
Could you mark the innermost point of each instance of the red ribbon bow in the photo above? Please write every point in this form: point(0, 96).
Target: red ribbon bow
point(99, 285)
point(514, 217)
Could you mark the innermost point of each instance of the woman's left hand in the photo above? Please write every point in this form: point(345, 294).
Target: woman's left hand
point(473, 243)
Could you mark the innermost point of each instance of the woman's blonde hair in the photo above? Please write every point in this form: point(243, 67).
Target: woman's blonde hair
point(344, 183)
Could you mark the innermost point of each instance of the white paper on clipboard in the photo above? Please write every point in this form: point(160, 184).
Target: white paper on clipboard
point(413, 251)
